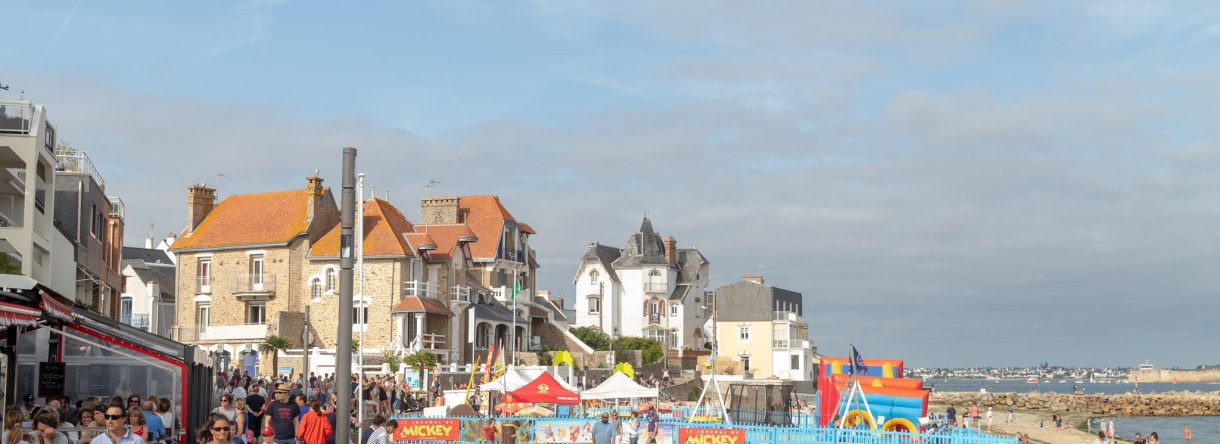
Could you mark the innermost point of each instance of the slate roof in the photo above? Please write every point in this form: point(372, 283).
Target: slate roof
point(415, 304)
point(149, 255)
point(251, 219)
point(495, 312)
point(384, 227)
point(643, 247)
point(161, 272)
point(689, 262)
point(604, 254)
point(680, 291)
point(549, 306)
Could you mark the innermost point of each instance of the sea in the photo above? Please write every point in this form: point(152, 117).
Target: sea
point(1203, 429)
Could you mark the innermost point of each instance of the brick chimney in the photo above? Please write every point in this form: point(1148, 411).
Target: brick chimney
point(313, 184)
point(439, 211)
point(200, 200)
point(752, 278)
point(671, 250)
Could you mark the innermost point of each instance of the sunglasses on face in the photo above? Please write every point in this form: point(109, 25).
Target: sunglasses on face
point(114, 417)
point(220, 429)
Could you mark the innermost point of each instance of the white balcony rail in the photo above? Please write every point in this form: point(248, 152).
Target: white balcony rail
point(461, 293)
point(15, 118)
point(430, 341)
point(789, 316)
point(118, 208)
point(420, 289)
point(135, 320)
point(655, 287)
point(779, 343)
point(79, 163)
point(6, 222)
point(213, 332)
point(203, 284)
point(247, 283)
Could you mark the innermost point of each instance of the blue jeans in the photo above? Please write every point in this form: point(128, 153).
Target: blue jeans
point(286, 441)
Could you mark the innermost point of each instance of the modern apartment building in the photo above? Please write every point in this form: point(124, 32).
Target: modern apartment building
point(94, 223)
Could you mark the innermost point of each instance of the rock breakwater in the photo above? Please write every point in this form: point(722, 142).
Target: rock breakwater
point(1126, 404)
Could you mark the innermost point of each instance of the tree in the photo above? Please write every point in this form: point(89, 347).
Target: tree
point(651, 348)
point(393, 359)
point(421, 361)
point(272, 346)
point(7, 266)
point(592, 337)
point(64, 148)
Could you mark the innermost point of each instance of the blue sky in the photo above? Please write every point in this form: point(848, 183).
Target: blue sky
point(951, 183)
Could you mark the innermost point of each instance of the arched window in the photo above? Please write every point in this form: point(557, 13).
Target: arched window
point(595, 305)
point(331, 279)
point(315, 288)
point(593, 277)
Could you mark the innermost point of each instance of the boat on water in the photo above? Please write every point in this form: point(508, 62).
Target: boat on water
point(1031, 381)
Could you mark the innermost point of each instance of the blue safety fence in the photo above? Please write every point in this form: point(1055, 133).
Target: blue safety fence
point(803, 434)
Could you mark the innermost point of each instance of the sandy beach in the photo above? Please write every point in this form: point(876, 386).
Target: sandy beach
point(1027, 422)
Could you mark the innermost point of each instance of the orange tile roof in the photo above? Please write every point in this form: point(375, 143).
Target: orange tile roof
point(485, 215)
point(384, 227)
point(526, 228)
point(417, 304)
point(445, 237)
point(251, 219)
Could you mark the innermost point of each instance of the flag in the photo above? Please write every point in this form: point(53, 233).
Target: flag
point(487, 374)
point(857, 362)
point(499, 363)
point(516, 289)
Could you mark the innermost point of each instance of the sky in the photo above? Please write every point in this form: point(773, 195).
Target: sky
point(952, 183)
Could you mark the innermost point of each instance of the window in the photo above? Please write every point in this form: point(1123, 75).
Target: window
point(331, 279)
point(205, 275)
point(595, 305)
point(743, 333)
point(256, 313)
point(593, 277)
point(673, 310)
point(360, 315)
point(315, 288)
point(256, 271)
point(203, 317)
point(796, 362)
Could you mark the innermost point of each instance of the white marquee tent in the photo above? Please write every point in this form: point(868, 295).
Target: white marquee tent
point(619, 386)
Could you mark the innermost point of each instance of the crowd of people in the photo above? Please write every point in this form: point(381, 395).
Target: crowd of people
point(116, 420)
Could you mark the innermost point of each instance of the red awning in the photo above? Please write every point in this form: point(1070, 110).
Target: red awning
point(544, 388)
point(56, 309)
point(17, 315)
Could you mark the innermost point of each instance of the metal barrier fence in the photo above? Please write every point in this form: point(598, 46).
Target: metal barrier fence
point(682, 431)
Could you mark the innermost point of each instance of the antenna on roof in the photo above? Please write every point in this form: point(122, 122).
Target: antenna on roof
point(218, 176)
point(373, 192)
point(432, 183)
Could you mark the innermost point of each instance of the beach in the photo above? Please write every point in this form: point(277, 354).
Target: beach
point(1027, 422)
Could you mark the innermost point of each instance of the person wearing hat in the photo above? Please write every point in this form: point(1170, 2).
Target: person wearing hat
point(282, 417)
point(654, 425)
point(28, 409)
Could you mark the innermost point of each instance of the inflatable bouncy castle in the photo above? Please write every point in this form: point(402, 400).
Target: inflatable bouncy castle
point(896, 404)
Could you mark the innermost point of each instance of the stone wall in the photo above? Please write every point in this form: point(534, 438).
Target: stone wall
point(1126, 404)
point(1175, 376)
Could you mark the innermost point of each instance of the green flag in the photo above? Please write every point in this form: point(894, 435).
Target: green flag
point(516, 289)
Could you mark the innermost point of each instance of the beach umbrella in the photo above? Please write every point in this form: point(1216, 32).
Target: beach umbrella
point(643, 408)
point(535, 411)
point(511, 408)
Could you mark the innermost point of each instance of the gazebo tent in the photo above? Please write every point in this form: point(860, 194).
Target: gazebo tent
point(619, 386)
point(515, 378)
point(544, 388)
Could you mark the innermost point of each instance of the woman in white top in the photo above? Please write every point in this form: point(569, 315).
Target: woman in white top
point(13, 434)
point(226, 408)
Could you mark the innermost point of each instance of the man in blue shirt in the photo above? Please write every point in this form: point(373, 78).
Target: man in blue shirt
point(156, 427)
point(605, 431)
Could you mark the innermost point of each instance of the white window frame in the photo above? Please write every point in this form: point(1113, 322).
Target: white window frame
point(204, 272)
point(593, 277)
point(250, 310)
point(258, 266)
point(673, 310)
point(331, 280)
point(203, 317)
point(595, 305)
point(743, 334)
point(315, 288)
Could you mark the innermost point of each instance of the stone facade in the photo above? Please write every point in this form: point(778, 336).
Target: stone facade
point(1126, 404)
point(382, 287)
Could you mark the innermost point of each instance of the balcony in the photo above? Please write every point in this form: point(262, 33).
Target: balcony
point(117, 208)
point(430, 341)
point(461, 293)
point(139, 321)
point(512, 255)
point(788, 316)
point(654, 318)
point(6, 222)
point(15, 118)
point(779, 343)
point(80, 163)
point(655, 287)
point(220, 333)
point(203, 284)
point(252, 287)
point(505, 294)
point(420, 289)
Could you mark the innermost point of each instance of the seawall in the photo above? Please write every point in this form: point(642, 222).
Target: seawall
point(1171, 376)
point(1126, 404)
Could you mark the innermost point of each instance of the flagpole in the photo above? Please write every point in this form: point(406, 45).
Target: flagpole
point(358, 245)
point(513, 337)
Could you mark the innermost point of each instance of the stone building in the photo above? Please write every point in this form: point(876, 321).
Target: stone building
point(650, 288)
point(240, 269)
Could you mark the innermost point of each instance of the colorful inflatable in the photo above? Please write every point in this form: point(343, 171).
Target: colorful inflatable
point(896, 403)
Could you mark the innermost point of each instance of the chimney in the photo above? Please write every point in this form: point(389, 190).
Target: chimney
point(671, 250)
point(439, 211)
point(752, 278)
point(544, 294)
point(313, 184)
point(154, 290)
point(200, 200)
point(148, 243)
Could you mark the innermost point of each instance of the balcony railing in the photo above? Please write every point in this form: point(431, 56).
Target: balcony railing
point(203, 284)
point(15, 118)
point(654, 318)
point(213, 332)
point(789, 316)
point(117, 208)
point(6, 222)
point(779, 343)
point(79, 163)
point(137, 321)
point(420, 289)
point(505, 294)
point(461, 293)
point(655, 287)
point(430, 341)
point(252, 283)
